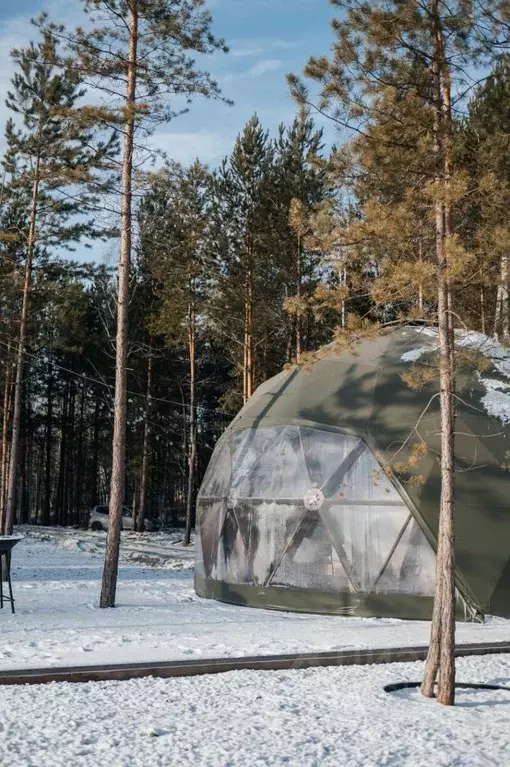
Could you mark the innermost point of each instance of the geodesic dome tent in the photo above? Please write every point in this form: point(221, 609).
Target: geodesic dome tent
point(309, 503)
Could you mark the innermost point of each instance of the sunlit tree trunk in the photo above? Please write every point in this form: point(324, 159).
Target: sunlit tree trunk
point(192, 442)
point(10, 507)
point(441, 656)
point(298, 296)
point(248, 334)
point(111, 565)
point(5, 436)
point(505, 304)
point(144, 476)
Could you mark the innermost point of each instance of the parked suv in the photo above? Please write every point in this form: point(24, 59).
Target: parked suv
point(98, 519)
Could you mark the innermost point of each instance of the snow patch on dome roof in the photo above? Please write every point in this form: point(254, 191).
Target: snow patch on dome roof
point(496, 400)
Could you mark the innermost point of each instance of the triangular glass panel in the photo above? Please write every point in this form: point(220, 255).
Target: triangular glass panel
point(412, 567)
point(363, 537)
point(270, 466)
point(249, 448)
point(242, 512)
point(324, 452)
point(216, 482)
point(199, 557)
point(232, 565)
point(314, 564)
point(211, 516)
point(366, 481)
point(272, 527)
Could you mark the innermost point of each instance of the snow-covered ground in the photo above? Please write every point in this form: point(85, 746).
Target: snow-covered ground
point(332, 717)
point(56, 581)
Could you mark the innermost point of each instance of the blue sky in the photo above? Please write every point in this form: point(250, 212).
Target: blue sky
point(267, 38)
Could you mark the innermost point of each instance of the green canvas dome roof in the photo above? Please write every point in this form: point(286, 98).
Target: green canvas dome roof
point(360, 395)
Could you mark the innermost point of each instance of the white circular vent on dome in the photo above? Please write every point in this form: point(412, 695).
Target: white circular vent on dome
point(313, 499)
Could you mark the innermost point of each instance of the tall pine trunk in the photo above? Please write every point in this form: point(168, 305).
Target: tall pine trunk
point(299, 249)
point(248, 333)
point(502, 316)
point(94, 485)
point(192, 442)
point(48, 448)
point(5, 436)
point(483, 321)
point(10, 507)
point(441, 656)
point(78, 497)
point(111, 564)
point(139, 518)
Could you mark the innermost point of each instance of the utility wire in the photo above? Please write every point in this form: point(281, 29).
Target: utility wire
point(85, 377)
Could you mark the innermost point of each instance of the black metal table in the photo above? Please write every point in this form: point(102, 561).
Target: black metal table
point(7, 543)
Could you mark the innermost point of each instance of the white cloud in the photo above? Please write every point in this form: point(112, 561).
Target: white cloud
point(246, 47)
point(260, 68)
point(263, 66)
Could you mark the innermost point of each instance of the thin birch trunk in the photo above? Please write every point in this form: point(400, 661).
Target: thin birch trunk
point(298, 296)
point(10, 508)
point(142, 504)
point(49, 439)
point(420, 288)
point(192, 442)
point(5, 437)
point(78, 499)
point(94, 491)
point(505, 304)
point(134, 510)
point(482, 309)
point(111, 564)
point(248, 335)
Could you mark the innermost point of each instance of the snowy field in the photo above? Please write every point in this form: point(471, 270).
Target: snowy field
point(337, 717)
point(333, 717)
point(56, 581)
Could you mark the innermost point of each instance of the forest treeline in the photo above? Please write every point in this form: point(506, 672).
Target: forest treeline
point(228, 274)
point(216, 256)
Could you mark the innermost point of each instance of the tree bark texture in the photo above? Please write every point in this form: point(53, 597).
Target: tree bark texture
point(192, 442)
point(111, 564)
point(441, 656)
point(5, 437)
point(248, 334)
point(144, 477)
point(299, 249)
point(10, 507)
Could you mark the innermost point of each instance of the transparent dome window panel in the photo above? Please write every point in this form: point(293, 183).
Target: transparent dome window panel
point(232, 564)
point(216, 482)
point(249, 448)
point(365, 480)
point(412, 566)
point(199, 557)
point(267, 528)
point(269, 463)
point(211, 517)
point(324, 452)
point(364, 537)
point(313, 564)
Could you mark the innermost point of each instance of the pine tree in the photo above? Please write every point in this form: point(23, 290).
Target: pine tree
point(387, 53)
point(177, 225)
point(244, 206)
point(303, 189)
point(484, 153)
point(137, 52)
point(56, 162)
